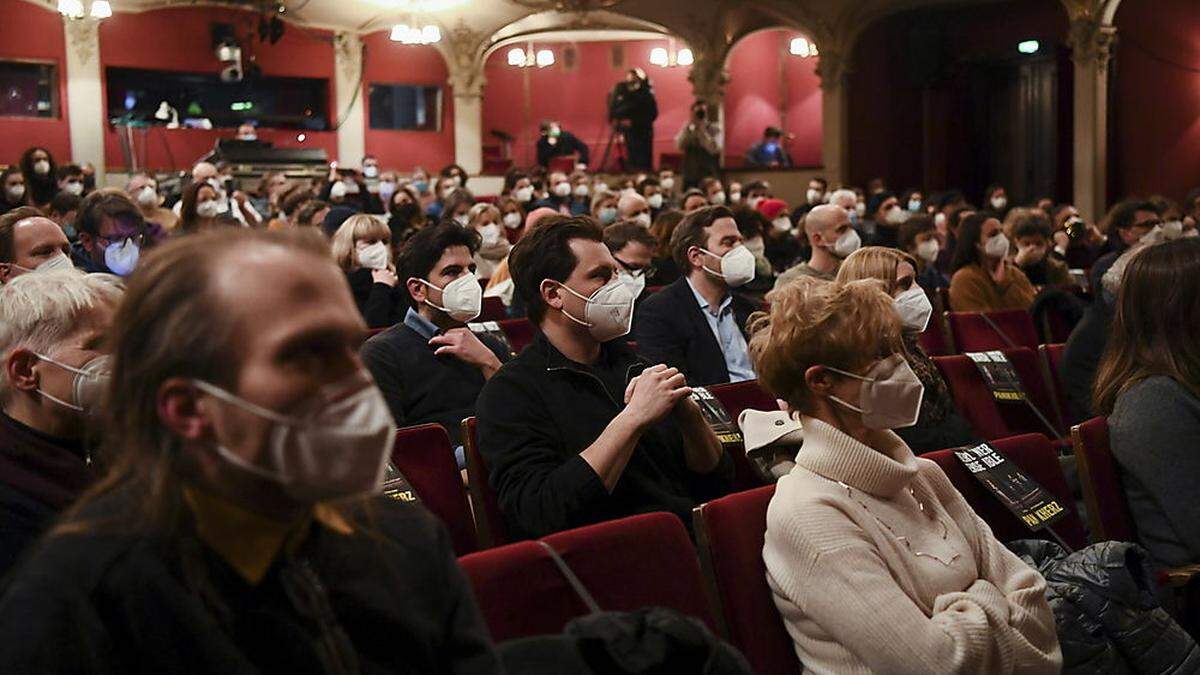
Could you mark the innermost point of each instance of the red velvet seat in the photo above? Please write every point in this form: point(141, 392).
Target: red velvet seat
point(487, 199)
point(626, 564)
point(934, 339)
point(729, 533)
point(736, 397)
point(519, 332)
point(1051, 358)
point(489, 522)
point(989, 418)
point(426, 458)
point(972, 333)
point(493, 309)
point(1108, 511)
point(1039, 459)
point(563, 163)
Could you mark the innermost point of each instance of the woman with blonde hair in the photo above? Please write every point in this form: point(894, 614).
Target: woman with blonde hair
point(939, 425)
point(493, 249)
point(876, 562)
point(1148, 385)
point(361, 248)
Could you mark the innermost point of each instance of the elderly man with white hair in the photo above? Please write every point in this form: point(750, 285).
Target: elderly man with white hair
point(52, 342)
point(634, 208)
point(832, 238)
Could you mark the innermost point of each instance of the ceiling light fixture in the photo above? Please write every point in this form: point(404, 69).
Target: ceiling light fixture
point(802, 47)
point(529, 58)
point(669, 57)
point(410, 32)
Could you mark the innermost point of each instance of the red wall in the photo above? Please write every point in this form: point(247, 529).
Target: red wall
point(1156, 116)
point(769, 86)
point(516, 100)
point(390, 62)
point(31, 32)
point(179, 39)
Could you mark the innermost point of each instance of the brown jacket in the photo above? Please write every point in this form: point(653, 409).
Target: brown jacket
point(972, 290)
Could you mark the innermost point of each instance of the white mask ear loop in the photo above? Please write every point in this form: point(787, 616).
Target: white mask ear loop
point(705, 267)
point(568, 314)
point(857, 377)
point(72, 369)
point(441, 290)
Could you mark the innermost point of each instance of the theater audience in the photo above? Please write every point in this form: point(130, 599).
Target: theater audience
point(700, 142)
point(558, 193)
point(512, 216)
point(816, 194)
point(457, 206)
point(876, 562)
point(713, 191)
point(70, 179)
point(112, 234)
point(1125, 225)
point(63, 210)
point(995, 199)
point(884, 218)
point(493, 246)
point(291, 203)
point(665, 269)
point(769, 152)
point(312, 214)
point(634, 208)
point(143, 190)
point(782, 247)
point(12, 189)
point(984, 278)
point(694, 199)
point(605, 207)
point(430, 367)
point(267, 195)
point(938, 425)
point(649, 188)
point(632, 246)
point(919, 238)
point(53, 329)
point(1029, 230)
point(201, 209)
point(405, 215)
point(578, 429)
point(31, 242)
point(754, 227)
point(234, 202)
point(231, 533)
point(39, 171)
point(1148, 385)
point(557, 142)
point(361, 247)
point(695, 325)
point(831, 238)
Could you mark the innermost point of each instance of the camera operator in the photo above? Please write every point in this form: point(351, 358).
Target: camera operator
point(632, 110)
point(699, 141)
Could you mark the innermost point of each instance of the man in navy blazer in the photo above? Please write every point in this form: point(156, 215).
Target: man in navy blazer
point(697, 323)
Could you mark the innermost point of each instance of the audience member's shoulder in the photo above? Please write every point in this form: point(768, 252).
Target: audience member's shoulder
point(409, 524)
point(665, 297)
point(1156, 394)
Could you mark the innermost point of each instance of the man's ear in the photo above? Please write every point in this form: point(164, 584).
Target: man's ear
point(181, 409)
point(87, 241)
point(416, 289)
point(695, 256)
point(6, 273)
point(551, 294)
point(19, 369)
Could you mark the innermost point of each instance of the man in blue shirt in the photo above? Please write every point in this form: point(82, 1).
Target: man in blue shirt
point(769, 152)
point(696, 324)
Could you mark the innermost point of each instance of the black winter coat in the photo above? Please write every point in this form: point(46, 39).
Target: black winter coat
point(1107, 612)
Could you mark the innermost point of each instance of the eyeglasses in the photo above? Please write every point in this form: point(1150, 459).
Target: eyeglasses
point(136, 238)
point(635, 270)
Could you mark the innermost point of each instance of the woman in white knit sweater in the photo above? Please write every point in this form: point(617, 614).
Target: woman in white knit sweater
point(876, 562)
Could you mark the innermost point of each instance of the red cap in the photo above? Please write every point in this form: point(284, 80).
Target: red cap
point(771, 208)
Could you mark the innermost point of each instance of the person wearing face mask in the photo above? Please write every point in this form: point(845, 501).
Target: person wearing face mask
point(52, 327)
point(756, 191)
point(237, 506)
point(112, 234)
point(995, 199)
point(770, 151)
point(885, 215)
point(984, 278)
point(63, 210)
point(235, 202)
point(512, 218)
point(815, 195)
point(832, 239)
point(1029, 230)
point(875, 561)
point(755, 229)
point(201, 210)
point(431, 367)
point(734, 194)
point(604, 207)
point(361, 247)
point(912, 200)
point(456, 207)
point(405, 214)
point(456, 174)
point(632, 111)
point(142, 188)
point(578, 429)
point(493, 246)
point(12, 189)
point(667, 184)
point(555, 141)
point(919, 238)
point(695, 324)
point(519, 186)
point(781, 246)
point(70, 179)
point(31, 242)
point(713, 191)
point(939, 425)
point(699, 140)
point(632, 246)
point(1125, 225)
point(39, 171)
point(558, 194)
point(651, 191)
point(634, 208)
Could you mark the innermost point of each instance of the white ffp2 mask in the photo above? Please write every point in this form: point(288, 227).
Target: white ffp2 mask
point(608, 313)
point(462, 299)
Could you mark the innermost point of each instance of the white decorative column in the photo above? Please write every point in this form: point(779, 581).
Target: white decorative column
point(348, 94)
point(463, 50)
point(1091, 47)
point(835, 140)
point(85, 99)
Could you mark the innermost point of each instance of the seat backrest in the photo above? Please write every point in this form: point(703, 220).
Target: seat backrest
point(636, 562)
point(489, 521)
point(426, 458)
point(934, 339)
point(519, 332)
point(1039, 459)
point(990, 419)
point(493, 309)
point(736, 397)
point(730, 533)
point(972, 333)
point(625, 564)
point(1108, 511)
point(1052, 355)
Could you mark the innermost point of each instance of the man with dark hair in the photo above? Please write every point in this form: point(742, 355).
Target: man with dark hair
point(1127, 222)
point(63, 210)
point(769, 152)
point(557, 142)
point(577, 429)
point(431, 367)
point(29, 240)
point(696, 323)
point(112, 233)
point(1030, 233)
point(632, 246)
point(70, 179)
point(650, 189)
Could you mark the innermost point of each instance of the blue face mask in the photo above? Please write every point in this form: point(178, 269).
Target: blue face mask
point(421, 186)
point(121, 257)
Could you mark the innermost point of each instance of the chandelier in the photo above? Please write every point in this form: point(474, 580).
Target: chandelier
point(407, 34)
point(528, 58)
point(669, 57)
point(74, 9)
point(578, 6)
point(803, 47)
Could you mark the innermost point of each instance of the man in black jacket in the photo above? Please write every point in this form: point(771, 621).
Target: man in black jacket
point(558, 142)
point(633, 110)
point(577, 429)
point(696, 324)
point(51, 325)
point(431, 367)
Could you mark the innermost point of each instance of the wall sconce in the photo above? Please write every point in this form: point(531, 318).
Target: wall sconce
point(668, 57)
point(800, 46)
